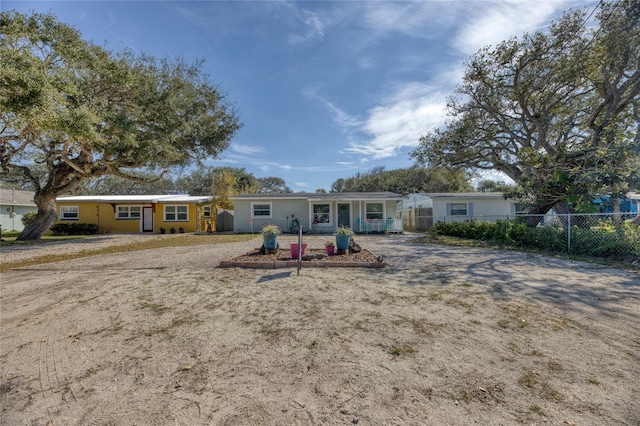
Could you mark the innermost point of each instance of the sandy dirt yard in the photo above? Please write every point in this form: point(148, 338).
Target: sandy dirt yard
point(442, 336)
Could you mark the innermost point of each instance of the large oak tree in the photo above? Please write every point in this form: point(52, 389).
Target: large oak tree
point(554, 111)
point(71, 110)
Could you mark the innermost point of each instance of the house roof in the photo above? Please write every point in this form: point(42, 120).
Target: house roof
point(465, 195)
point(323, 196)
point(15, 197)
point(176, 198)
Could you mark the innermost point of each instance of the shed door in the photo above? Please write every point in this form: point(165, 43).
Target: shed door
point(343, 215)
point(147, 219)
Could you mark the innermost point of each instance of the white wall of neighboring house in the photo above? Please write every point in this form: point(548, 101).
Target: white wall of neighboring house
point(14, 204)
point(490, 208)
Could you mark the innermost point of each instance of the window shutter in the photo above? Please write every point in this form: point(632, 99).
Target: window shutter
point(470, 209)
point(448, 209)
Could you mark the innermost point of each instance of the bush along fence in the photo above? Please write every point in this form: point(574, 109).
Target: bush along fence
point(598, 235)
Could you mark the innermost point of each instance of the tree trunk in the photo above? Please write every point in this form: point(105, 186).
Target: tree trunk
point(46, 217)
point(536, 215)
point(617, 217)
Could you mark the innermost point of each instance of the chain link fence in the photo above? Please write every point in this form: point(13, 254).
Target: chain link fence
point(600, 235)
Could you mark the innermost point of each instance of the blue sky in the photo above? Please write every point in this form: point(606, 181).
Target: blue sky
point(324, 89)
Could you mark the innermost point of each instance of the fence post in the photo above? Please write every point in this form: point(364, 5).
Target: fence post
point(569, 233)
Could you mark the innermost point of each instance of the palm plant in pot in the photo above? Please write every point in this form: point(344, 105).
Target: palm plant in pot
point(270, 236)
point(343, 235)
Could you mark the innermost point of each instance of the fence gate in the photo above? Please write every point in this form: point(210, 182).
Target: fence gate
point(224, 220)
point(424, 219)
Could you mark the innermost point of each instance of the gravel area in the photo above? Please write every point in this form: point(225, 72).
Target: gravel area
point(441, 336)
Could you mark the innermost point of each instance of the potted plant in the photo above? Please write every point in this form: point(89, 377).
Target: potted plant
point(295, 248)
point(163, 231)
point(329, 247)
point(270, 236)
point(343, 235)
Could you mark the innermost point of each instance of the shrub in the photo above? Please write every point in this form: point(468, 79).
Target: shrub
point(593, 237)
point(29, 217)
point(74, 229)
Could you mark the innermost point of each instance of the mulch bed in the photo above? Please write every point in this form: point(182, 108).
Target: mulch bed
point(317, 258)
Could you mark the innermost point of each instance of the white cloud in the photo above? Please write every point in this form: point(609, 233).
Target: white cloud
point(313, 27)
point(407, 112)
point(399, 125)
point(340, 117)
point(246, 149)
point(503, 20)
point(410, 18)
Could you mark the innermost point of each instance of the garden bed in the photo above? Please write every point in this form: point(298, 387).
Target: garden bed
point(317, 258)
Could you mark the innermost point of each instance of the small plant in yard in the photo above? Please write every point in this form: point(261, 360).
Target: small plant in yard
point(329, 244)
point(344, 230)
point(270, 230)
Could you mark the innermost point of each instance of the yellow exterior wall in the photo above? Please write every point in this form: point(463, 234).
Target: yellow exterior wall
point(104, 215)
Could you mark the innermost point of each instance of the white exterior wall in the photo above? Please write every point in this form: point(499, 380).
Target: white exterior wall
point(490, 209)
point(13, 222)
point(283, 209)
point(281, 214)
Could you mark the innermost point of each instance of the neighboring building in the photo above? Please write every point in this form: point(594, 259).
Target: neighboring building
point(13, 205)
point(139, 213)
point(421, 211)
point(628, 205)
point(317, 212)
point(471, 205)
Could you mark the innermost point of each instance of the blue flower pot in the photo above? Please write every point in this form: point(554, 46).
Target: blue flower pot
point(342, 241)
point(270, 241)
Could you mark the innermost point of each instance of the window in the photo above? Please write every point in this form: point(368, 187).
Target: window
point(458, 209)
point(69, 212)
point(321, 213)
point(176, 213)
point(374, 211)
point(128, 212)
point(206, 211)
point(261, 210)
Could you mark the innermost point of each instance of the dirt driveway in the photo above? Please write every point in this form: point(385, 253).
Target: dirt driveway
point(442, 336)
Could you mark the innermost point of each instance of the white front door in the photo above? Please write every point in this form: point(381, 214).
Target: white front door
point(147, 219)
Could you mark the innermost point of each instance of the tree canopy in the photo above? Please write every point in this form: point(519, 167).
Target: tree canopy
point(405, 181)
point(71, 110)
point(557, 111)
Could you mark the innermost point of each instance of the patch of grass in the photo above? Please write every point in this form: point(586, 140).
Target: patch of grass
point(402, 350)
point(503, 323)
point(532, 381)
point(485, 393)
point(169, 329)
point(593, 380)
point(156, 308)
point(536, 409)
point(554, 366)
point(456, 301)
point(152, 243)
point(520, 316)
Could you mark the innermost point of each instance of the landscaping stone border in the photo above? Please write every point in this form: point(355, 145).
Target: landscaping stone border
point(244, 261)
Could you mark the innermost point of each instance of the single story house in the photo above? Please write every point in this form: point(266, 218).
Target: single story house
point(317, 212)
point(13, 205)
point(139, 213)
point(421, 211)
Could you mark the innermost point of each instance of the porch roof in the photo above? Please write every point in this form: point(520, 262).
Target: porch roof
point(176, 198)
point(323, 196)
